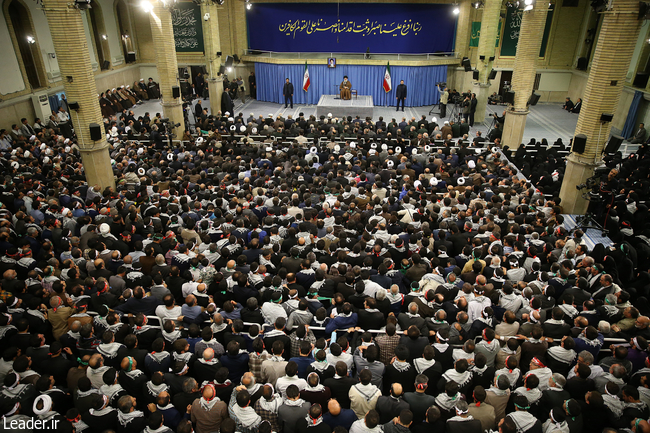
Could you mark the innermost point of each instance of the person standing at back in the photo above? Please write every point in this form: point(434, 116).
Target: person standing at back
point(288, 93)
point(400, 94)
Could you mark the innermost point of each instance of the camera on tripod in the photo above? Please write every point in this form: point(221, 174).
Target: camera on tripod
point(592, 185)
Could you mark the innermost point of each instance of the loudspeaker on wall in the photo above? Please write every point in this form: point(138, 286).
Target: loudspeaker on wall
point(614, 144)
point(534, 99)
point(579, 143)
point(176, 91)
point(95, 131)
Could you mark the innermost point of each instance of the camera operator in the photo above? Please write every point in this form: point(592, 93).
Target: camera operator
point(609, 187)
point(444, 98)
point(500, 119)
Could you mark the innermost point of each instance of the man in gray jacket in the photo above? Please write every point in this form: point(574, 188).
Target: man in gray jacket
point(293, 409)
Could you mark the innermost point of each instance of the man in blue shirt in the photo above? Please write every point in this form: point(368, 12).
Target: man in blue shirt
point(338, 415)
point(343, 320)
point(305, 359)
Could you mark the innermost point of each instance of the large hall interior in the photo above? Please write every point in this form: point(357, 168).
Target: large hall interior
point(279, 216)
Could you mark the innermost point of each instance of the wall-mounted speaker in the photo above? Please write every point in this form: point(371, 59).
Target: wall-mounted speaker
point(534, 99)
point(236, 57)
point(475, 74)
point(579, 143)
point(493, 74)
point(176, 91)
point(95, 131)
point(606, 117)
point(73, 105)
point(106, 65)
point(229, 61)
point(583, 62)
point(130, 57)
point(466, 64)
point(509, 97)
point(615, 142)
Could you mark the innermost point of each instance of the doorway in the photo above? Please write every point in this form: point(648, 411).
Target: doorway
point(506, 82)
point(26, 40)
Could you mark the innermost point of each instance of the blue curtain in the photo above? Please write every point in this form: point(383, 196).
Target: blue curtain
point(630, 122)
point(54, 104)
point(367, 80)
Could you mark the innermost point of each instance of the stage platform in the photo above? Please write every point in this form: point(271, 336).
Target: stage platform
point(357, 106)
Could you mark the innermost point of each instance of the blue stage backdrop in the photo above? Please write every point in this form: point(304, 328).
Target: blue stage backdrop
point(367, 80)
point(351, 27)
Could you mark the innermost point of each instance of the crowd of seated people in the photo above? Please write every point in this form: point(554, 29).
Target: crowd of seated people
point(240, 283)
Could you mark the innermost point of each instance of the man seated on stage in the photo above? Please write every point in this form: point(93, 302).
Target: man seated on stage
point(568, 104)
point(345, 88)
point(576, 108)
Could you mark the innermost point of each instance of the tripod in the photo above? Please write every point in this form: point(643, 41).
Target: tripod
point(588, 221)
point(491, 127)
point(434, 107)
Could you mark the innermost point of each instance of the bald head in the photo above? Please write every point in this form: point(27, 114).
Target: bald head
point(334, 407)
point(208, 392)
point(396, 389)
point(248, 379)
point(96, 361)
point(208, 354)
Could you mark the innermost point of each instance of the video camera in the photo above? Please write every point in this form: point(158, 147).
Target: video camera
point(441, 84)
point(592, 185)
point(167, 123)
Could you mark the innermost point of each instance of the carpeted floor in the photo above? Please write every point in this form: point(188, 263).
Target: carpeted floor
point(544, 121)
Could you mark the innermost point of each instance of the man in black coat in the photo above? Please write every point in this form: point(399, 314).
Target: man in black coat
point(472, 109)
point(226, 103)
point(252, 85)
point(198, 109)
point(400, 94)
point(341, 386)
point(287, 91)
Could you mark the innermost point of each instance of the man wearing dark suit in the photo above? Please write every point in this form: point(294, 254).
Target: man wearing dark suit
point(400, 94)
point(478, 140)
point(198, 109)
point(252, 85)
point(472, 109)
point(639, 136)
point(568, 105)
point(288, 93)
point(464, 127)
point(576, 108)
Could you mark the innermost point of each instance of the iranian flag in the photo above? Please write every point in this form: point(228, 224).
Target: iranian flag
point(387, 84)
point(305, 79)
